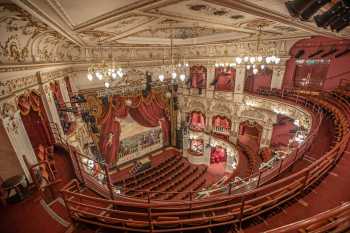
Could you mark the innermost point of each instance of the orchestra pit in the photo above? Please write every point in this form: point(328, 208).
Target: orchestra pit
point(183, 116)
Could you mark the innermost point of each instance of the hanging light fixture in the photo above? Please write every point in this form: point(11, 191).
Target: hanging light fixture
point(108, 72)
point(173, 71)
point(258, 59)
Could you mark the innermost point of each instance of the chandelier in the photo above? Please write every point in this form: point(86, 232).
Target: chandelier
point(107, 72)
point(255, 60)
point(179, 71)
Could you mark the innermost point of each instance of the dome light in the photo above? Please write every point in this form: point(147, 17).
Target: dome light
point(182, 77)
point(255, 71)
point(114, 75)
point(238, 60)
point(260, 58)
point(173, 75)
point(277, 60)
point(99, 75)
point(161, 77)
point(248, 67)
point(262, 67)
point(246, 59)
point(252, 60)
point(90, 77)
point(107, 84)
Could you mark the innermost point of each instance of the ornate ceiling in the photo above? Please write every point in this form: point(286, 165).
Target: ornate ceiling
point(152, 22)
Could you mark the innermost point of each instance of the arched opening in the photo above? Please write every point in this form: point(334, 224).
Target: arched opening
point(260, 80)
point(197, 121)
point(35, 119)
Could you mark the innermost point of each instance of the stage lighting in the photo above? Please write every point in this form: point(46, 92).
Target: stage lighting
point(323, 20)
point(312, 8)
point(316, 53)
point(296, 6)
point(299, 54)
point(330, 52)
point(341, 22)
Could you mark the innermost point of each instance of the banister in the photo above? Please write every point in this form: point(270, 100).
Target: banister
point(309, 221)
point(262, 198)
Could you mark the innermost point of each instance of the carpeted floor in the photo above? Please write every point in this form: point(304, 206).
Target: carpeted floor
point(330, 193)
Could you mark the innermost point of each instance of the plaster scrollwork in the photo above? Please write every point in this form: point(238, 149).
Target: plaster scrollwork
point(25, 39)
point(10, 86)
point(250, 113)
point(196, 105)
point(221, 108)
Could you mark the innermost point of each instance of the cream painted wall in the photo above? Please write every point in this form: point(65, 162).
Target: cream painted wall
point(9, 163)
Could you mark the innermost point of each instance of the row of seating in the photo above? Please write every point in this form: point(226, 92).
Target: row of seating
point(165, 216)
point(158, 176)
point(159, 183)
point(142, 176)
point(174, 182)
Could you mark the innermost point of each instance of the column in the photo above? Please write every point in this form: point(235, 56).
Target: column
point(277, 76)
point(239, 83)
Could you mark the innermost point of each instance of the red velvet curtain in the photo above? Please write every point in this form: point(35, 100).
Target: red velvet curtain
point(35, 120)
point(197, 121)
point(109, 135)
point(198, 75)
point(147, 111)
point(218, 154)
point(224, 79)
point(221, 121)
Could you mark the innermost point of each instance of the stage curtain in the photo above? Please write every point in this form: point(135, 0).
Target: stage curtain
point(224, 79)
point(198, 76)
point(147, 111)
point(109, 136)
point(35, 120)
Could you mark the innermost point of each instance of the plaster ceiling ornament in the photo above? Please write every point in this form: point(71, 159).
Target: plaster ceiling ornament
point(22, 34)
point(92, 37)
point(7, 110)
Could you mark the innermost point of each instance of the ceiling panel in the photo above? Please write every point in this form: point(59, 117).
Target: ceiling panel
point(80, 11)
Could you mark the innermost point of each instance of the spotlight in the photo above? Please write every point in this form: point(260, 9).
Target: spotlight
point(296, 6)
point(341, 22)
point(324, 19)
point(312, 8)
point(316, 53)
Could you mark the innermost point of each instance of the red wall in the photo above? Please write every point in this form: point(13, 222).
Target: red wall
point(339, 68)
